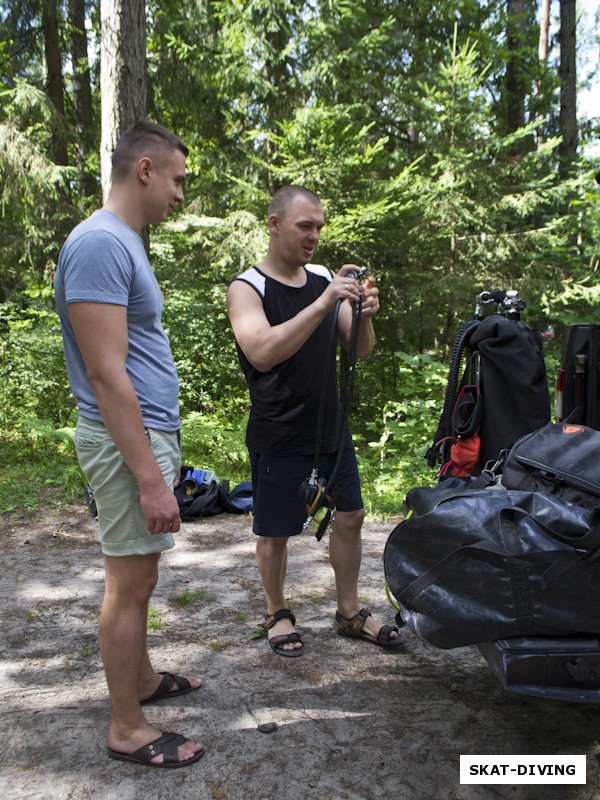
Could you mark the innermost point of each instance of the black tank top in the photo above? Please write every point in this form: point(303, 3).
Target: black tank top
point(285, 400)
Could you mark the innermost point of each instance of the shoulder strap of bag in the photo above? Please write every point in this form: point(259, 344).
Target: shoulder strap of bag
point(589, 542)
point(559, 560)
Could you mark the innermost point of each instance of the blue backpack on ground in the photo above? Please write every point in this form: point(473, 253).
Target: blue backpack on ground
point(239, 499)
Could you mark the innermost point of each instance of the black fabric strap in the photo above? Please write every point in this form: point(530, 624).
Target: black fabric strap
point(486, 551)
point(559, 561)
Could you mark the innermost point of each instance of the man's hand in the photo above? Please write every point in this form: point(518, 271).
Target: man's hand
point(370, 297)
point(160, 509)
point(344, 285)
point(370, 306)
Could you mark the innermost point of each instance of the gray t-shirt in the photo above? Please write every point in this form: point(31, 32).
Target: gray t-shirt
point(104, 261)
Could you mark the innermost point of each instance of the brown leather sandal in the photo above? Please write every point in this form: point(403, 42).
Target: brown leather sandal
point(276, 642)
point(353, 628)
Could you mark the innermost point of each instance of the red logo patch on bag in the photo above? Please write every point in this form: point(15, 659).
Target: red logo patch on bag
point(572, 429)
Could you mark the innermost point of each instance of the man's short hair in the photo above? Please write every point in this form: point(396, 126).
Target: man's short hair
point(143, 139)
point(283, 198)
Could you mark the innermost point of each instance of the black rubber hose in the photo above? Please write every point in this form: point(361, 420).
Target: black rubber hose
point(460, 343)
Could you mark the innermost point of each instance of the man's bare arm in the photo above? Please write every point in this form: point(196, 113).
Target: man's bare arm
point(101, 333)
point(266, 345)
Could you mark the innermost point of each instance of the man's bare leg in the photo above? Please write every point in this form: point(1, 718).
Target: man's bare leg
point(271, 559)
point(148, 679)
point(345, 553)
point(129, 583)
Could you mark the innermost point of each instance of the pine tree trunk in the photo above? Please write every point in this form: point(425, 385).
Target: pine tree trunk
point(568, 86)
point(515, 89)
point(543, 66)
point(55, 86)
point(122, 74)
point(82, 94)
point(544, 30)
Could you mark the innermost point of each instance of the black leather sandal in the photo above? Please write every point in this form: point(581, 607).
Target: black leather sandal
point(276, 642)
point(166, 745)
point(165, 688)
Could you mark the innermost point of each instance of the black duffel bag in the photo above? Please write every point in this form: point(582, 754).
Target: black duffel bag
point(477, 566)
point(560, 458)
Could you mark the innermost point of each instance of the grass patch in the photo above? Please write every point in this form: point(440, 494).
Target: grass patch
point(86, 651)
point(314, 593)
point(155, 620)
point(258, 632)
point(188, 598)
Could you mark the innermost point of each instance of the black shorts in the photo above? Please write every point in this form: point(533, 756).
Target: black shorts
point(276, 480)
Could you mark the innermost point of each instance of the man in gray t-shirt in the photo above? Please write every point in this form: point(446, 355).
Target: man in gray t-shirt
point(124, 380)
point(126, 279)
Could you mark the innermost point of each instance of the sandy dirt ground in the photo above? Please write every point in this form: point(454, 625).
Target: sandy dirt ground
point(352, 722)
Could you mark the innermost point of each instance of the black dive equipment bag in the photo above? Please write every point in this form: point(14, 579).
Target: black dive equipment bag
point(562, 459)
point(497, 388)
point(474, 566)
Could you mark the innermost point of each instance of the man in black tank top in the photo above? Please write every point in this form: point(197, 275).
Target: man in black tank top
point(282, 313)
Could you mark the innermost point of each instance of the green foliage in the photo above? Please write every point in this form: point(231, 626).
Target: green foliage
point(579, 301)
point(197, 323)
point(155, 619)
point(195, 259)
point(33, 380)
point(576, 296)
point(394, 458)
point(33, 207)
point(325, 149)
point(216, 442)
point(483, 217)
point(38, 467)
point(259, 632)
